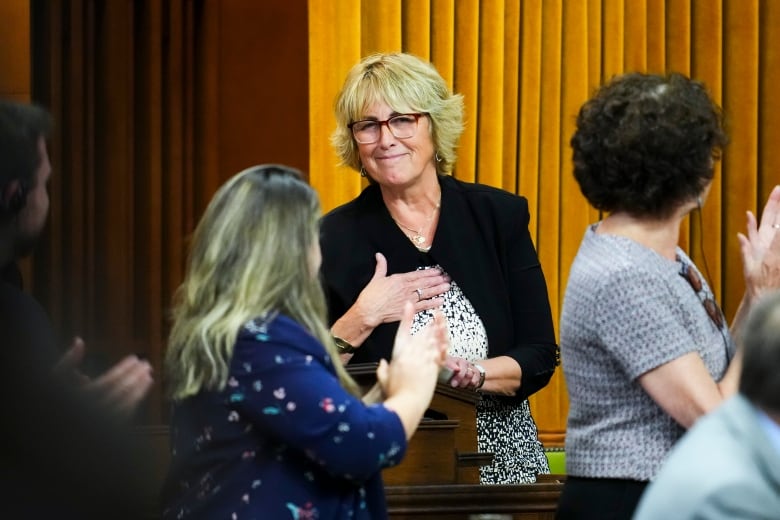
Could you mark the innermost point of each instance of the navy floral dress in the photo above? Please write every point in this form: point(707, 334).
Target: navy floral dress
point(283, 440)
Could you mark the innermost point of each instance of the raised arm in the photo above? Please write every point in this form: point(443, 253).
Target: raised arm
point(119, 390)
point(383, 299)
point(760, 248)
point(409, 379)
point(291, 394)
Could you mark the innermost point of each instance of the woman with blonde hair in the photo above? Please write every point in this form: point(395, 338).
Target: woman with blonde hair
point(264, 423)
point(417, 232)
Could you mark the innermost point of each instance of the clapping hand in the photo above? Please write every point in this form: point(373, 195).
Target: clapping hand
point(761, 249)
point(416, 359)
point(120, 389)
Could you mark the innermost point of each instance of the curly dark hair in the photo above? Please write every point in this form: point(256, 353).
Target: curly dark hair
point(646, 143)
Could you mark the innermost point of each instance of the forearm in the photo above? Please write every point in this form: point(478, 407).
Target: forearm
point(739, 318)
point(503, 375)
point(374, 395)
point(538, 362)
point(729, 385)
point(684, 387)
point(354, 327)
point(409, 408)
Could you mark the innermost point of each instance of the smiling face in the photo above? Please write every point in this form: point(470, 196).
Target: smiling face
point(393, 162)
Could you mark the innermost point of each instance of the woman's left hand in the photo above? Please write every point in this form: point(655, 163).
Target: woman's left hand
point(761, 249)
point(465, 375)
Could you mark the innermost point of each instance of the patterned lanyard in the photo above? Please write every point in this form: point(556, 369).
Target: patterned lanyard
point(707, 299)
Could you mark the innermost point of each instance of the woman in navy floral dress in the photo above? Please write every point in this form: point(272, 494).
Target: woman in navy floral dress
point(265, 424)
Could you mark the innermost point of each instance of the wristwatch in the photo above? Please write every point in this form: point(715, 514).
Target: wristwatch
point(343, 346)
point(481, 371)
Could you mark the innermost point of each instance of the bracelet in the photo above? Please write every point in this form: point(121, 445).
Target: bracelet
point(481, 371)
point(343, 346)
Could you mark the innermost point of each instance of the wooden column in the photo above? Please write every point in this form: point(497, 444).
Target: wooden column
point(156, 104)
point(15, 50)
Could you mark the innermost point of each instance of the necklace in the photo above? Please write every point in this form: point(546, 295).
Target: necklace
point(418, 238)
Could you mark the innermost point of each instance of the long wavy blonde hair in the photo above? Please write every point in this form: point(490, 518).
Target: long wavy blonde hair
point(251, 255)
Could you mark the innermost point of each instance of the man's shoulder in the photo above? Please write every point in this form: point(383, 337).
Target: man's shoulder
point(15, 304)
point(11, 274)
point(25, 329)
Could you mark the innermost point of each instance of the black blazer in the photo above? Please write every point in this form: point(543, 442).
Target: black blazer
point(482, 242)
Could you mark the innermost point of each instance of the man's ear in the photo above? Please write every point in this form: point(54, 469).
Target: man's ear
point(12, 197)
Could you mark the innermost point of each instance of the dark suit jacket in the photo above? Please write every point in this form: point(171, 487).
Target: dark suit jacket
point(482, 242)
point(62, 456)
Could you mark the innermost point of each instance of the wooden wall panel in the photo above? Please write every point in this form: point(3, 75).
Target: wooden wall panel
point(15, 49)
point(156, 104)
point(263, 84)
point(15, 60)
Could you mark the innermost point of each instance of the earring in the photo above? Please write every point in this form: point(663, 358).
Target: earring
point(698, 202)
point(438, 159)
point(363, 172)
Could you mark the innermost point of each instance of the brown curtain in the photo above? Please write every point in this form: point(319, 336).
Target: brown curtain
point(128, 179)
point(156, 104)
point(525, 67)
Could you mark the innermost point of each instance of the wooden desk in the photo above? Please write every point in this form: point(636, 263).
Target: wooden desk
point(458, 502)
point(412, 501)
point(443, 450)
point(439, 476)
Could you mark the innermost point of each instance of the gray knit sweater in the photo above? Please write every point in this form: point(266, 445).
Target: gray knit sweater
point(626, 311)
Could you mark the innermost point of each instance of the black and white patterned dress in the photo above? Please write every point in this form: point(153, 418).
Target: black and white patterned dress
point(504, 429)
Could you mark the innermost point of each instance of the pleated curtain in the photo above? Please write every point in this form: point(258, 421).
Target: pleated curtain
point(525, 67)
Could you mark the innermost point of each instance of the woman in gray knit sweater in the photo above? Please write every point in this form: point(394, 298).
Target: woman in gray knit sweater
point(645, 348)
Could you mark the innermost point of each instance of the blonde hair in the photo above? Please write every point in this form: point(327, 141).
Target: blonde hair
point(250, 257)
point(407, 84)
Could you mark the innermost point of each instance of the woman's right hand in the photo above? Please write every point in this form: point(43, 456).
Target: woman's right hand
point(761, 249)
point(409, 380)
point(382, 300)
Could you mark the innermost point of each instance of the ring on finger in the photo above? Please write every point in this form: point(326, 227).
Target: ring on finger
point(776, 226)
point(419, 294)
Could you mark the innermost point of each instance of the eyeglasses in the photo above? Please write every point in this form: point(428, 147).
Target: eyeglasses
point(713, 311)
point(402, 126)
